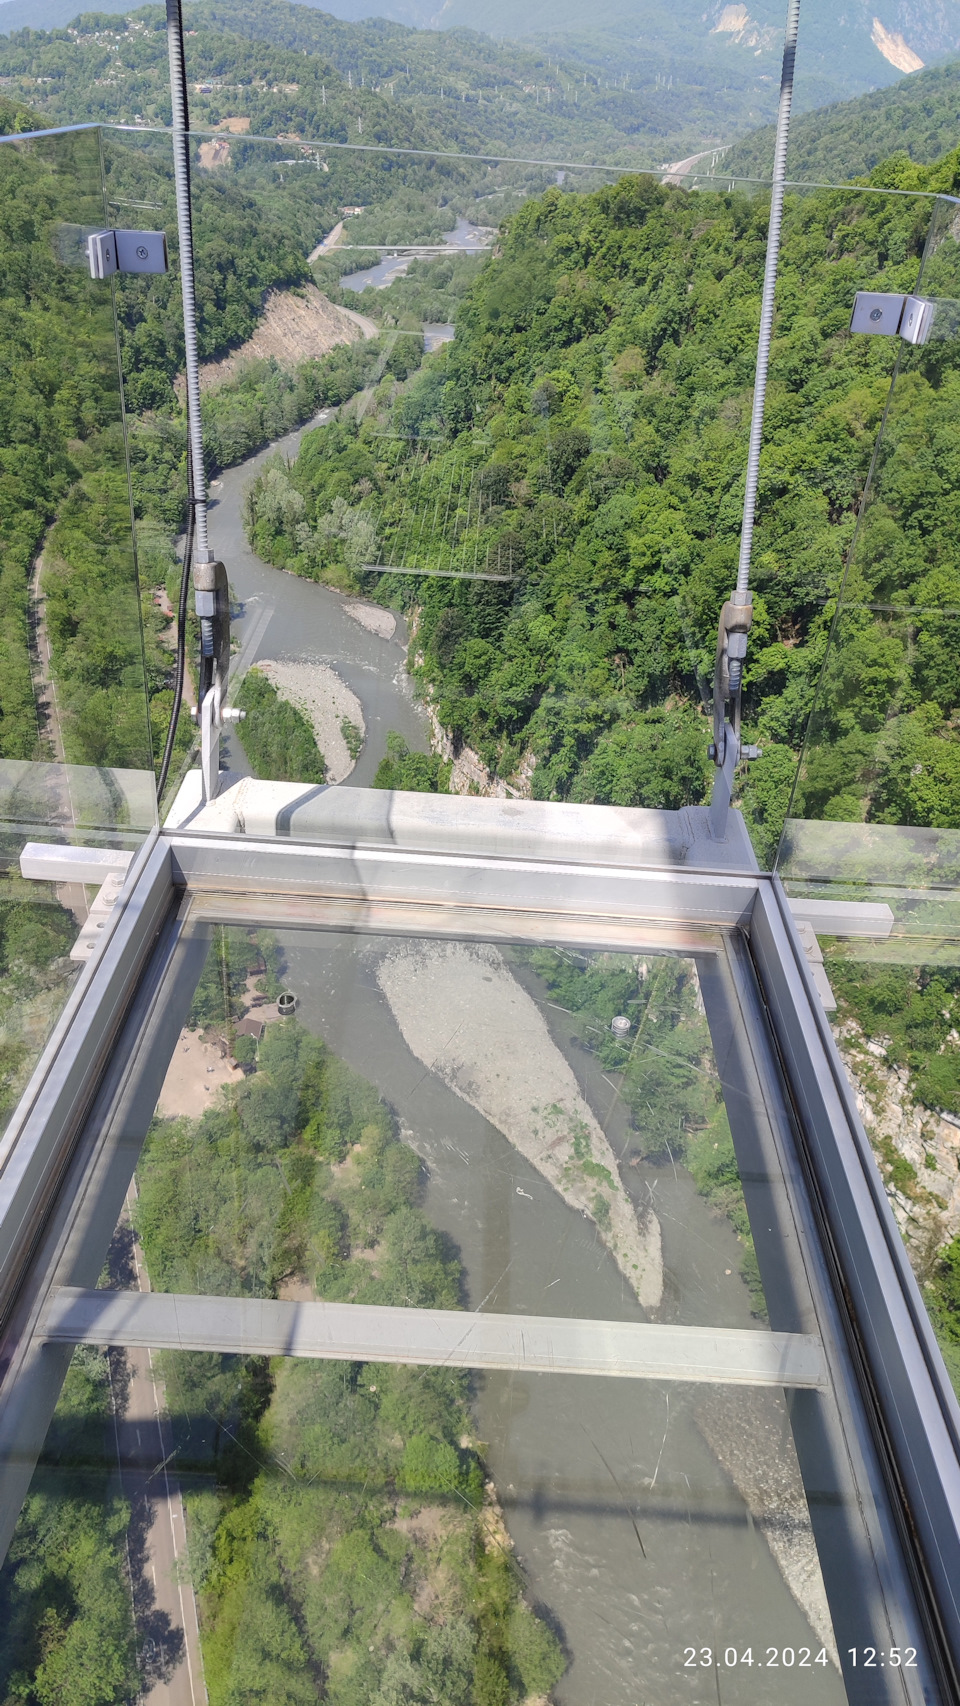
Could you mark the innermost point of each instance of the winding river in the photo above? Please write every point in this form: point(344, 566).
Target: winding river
point(284, 617)
point(627, 1529)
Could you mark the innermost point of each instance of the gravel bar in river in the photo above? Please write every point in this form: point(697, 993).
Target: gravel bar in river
point(325, 700)
point(464, 1015)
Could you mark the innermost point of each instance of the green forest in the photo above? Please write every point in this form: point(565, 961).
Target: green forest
point(584, 438)
point(293, 69)
point(917, 117)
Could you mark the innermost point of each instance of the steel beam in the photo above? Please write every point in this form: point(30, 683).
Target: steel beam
point(436, 1338)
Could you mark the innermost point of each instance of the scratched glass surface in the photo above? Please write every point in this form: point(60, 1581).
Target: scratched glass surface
point(358, 1505)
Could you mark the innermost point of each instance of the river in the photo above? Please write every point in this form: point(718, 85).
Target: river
point(464, 236)
point(629, 1534)
point(285, 617)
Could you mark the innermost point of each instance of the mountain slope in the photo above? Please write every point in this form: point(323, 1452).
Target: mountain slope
point(918, 117)
point(681, 76)
point(294, 70)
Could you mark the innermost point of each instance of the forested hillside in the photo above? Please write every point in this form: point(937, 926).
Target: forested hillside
point(291, 70)
point(65, 490)
point(661, 83)
point(918, 118)
point(585, 436)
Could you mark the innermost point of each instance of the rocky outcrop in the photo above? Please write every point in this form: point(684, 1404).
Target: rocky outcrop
point(917, 1148)
point(470, 775)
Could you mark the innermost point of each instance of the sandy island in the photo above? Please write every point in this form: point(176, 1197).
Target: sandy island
point(317, 690)
point(373, 617)
point(464, 1015)
point(750, 1435)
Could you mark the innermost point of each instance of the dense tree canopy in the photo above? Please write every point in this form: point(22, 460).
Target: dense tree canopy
point(584, 439)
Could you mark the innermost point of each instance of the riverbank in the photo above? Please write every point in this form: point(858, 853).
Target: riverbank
point(285, 618)
point(464, 1015)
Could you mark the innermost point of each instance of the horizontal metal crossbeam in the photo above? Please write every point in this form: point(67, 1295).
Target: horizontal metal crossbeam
point(543, 1344)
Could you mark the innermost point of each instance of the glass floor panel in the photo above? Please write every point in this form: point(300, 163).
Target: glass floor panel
point(522, 1174)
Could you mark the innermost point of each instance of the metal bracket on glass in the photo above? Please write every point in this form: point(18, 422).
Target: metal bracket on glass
point(104, 868)
point(126, 251)
point(879, 314)
point(212, 715)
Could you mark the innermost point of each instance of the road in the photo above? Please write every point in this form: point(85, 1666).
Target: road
point(169, 1659)
point(680, 169)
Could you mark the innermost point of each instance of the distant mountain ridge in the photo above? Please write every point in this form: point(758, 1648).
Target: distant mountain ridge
point(662, 81)
point(728, 47)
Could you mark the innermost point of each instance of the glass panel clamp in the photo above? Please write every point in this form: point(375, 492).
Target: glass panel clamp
point(109, 252)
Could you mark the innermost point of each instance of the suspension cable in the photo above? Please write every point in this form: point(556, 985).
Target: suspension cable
point(196, 542)
point(181, 178)
point(181, 646)
point(737, 612)
point(767, 300)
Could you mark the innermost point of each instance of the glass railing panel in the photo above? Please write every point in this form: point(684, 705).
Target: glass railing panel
point(139, 191)
point(50, 920)
point(873, 823)
point(82, 647)
point(77, 676)
point(518, 503)
point(880, 742)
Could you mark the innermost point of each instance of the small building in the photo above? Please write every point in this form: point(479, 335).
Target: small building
point(249, 1027)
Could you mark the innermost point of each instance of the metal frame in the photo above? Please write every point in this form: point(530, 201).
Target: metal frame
point(914, 1410)
point(53, 1161)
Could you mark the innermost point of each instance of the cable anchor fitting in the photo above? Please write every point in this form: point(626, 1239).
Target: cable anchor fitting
point(734, 626)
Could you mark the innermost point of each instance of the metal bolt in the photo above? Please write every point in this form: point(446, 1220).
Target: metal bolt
point(142, 252)
point(876, 313)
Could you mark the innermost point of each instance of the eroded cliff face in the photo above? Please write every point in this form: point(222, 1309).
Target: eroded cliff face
point(470, 775)
point(917, 1149)
point(296, 326)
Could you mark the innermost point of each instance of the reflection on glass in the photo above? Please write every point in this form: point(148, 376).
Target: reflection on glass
point(437, 1125)
point(78, 691)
